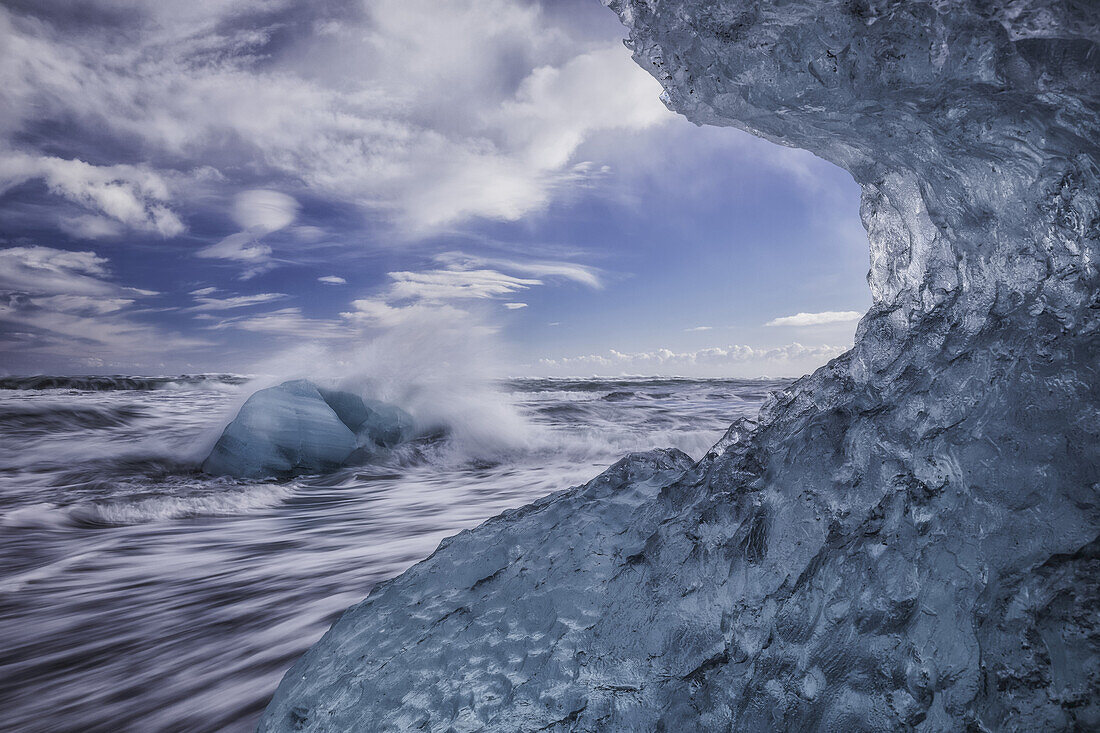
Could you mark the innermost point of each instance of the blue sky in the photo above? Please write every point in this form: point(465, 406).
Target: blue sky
point(205, 186)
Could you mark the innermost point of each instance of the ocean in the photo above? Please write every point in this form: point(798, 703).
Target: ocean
point(137, 593)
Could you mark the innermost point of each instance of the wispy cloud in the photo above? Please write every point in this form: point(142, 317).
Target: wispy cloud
point(332, 280)
point(259, 212)
point(288, 322)
point(263, 211)
point(377, 313)
point(441, 285)
point(697, 329)
point(206, 303)
point(582, 274)
point(465, 278)
point(46, 270)
point(815, 319)
point(90, 226)
point(63, 306)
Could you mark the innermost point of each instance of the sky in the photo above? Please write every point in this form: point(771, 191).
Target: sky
point(210, 185)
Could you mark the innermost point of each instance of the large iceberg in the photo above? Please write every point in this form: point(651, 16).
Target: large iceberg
point(298, 428)
point(909, 538)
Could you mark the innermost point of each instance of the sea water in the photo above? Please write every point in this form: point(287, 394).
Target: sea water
point(139, 594)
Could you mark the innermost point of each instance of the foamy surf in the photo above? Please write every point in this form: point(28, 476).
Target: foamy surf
point(139, 510)
point(161, 508)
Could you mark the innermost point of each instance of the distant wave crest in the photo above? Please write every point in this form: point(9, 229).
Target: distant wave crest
point(118, 382)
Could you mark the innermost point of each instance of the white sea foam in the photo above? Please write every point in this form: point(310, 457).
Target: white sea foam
point(444, 372)
point(159, 508)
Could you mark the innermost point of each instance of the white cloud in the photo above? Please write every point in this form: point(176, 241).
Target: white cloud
point(241, 247)
point(699, 328)
point(730, 361)
point(426, 296)
point(84, 305)
point(815, 319)
point(262, 211)
point(417, 294)
point(62, 306)
point(556, 107)
point(289, 322)
point(45, 270)
point(206, 303)
point(90, 227)
point(376, 313)
point(308, 233)
point(429, 112)
point(259, 212)
point(582, 274)
point(440, 285)
point(133, 196)
point(332, 280)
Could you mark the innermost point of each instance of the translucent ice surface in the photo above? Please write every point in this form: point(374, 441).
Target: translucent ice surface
point(295, 428)
point(905, 539)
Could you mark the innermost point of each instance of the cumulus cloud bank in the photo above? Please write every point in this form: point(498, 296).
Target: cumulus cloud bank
point(816, 319)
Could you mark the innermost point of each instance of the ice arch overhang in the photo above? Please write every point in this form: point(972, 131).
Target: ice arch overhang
point(971, 127)
point(894, 541)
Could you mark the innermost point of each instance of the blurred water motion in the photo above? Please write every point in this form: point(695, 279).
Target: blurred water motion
point(137, 594)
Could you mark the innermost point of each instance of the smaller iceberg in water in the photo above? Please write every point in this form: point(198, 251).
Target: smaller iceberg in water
point(298, 428)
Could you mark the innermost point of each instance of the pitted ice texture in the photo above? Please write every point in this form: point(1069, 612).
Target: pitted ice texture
point(905, 539)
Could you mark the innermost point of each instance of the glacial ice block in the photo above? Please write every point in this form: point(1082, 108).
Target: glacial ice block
point(481, 585)
point(385, 425)
point(906, 540)
point(296, 428)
